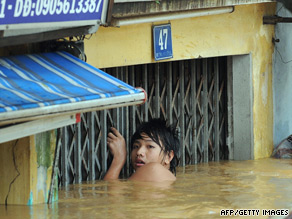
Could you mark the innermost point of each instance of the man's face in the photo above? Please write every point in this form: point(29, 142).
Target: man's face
point(145, 151)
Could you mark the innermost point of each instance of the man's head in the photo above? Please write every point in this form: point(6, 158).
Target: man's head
point(154, 141)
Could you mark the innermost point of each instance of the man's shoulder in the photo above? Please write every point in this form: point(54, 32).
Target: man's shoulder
point(153, 172)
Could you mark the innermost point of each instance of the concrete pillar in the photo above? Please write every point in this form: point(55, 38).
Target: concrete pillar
point(26, 169)
point(243, 107)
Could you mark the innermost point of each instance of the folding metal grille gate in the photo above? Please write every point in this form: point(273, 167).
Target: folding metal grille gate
point(191, 94)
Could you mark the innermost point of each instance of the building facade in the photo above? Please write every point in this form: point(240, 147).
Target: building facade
point(240, 35)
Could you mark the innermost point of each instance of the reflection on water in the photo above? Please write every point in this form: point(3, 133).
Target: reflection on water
point(200, 191)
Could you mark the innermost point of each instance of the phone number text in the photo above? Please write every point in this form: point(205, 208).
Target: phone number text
point(30, 8)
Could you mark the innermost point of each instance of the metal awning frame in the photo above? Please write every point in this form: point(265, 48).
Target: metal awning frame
point(72, 108)
point(33, 127)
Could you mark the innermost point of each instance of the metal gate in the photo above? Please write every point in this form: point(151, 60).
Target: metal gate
point(192, 94)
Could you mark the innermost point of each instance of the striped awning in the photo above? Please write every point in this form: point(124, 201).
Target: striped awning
point(34, 86)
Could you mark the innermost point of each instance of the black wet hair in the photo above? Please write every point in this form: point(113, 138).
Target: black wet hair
point(162, 134)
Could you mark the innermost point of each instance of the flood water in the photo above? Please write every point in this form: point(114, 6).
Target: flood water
point(200, 191)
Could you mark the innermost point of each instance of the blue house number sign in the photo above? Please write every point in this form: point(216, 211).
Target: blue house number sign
point(162, 42)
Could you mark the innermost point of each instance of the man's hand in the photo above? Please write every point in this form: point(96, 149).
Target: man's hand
point(117, 146)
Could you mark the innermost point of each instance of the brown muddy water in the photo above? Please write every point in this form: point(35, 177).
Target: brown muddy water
point(200, 191)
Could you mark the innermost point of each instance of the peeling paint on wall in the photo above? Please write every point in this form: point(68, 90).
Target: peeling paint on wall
point(42, 183)
point(45, 152)
point(265, 87)
point(30, 200)
point(43, 149)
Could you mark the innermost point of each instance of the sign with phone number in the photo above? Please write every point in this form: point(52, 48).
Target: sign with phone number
point(42, 11)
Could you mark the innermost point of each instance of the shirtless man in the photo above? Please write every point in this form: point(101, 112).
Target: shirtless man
point(154, 149)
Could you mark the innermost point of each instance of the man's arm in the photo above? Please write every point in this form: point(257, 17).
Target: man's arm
point(117, 146)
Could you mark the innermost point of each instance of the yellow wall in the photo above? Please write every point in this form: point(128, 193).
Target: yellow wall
point(18, 151)
point(26, 164)
point(241, 32)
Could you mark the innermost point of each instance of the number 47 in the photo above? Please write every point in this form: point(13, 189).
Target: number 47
point(163, 39)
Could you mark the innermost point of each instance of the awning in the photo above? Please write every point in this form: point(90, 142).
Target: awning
point(39, 86)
